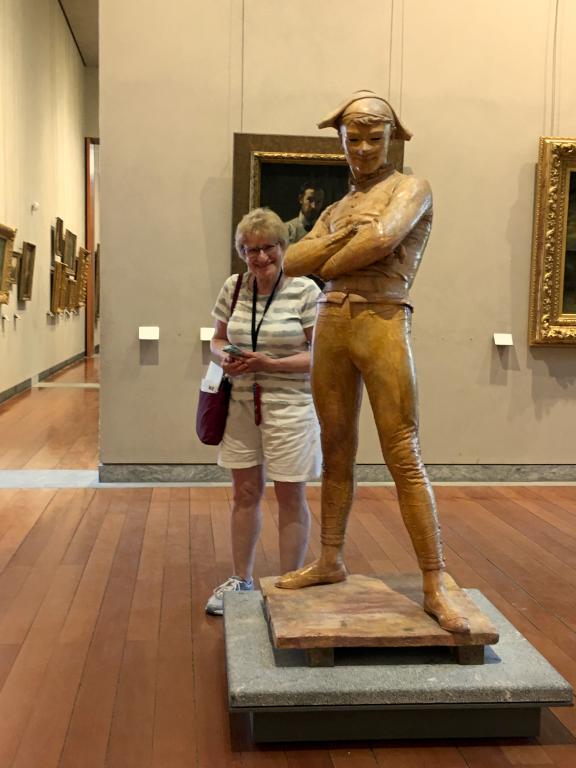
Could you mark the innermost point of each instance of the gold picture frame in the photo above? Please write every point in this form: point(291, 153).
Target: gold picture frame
point(82, 266)
point(97, 282)
point(69, 250)
point(270, 169)
point(552, 311)
point(7, 237)
point(57, 278)
point(58, 240)
point(26, 273)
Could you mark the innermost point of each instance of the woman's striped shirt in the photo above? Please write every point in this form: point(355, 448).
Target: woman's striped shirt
point(281, 334)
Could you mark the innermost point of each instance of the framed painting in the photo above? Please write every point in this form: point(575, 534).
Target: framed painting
point(57, 278)
point(97, 282)
point(552, 310)
point(58, 240)
point(69, 250)
point(274, 171)
point(74, 300)
point(7, 237)
point(66, 292)
point(82, 266)
point(15, 268)
point(26, 276)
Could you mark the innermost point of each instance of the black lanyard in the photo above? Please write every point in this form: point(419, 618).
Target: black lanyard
point(256, 328)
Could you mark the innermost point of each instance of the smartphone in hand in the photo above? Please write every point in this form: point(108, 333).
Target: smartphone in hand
point(233, 350)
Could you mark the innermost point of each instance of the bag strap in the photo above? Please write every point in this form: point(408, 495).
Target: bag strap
point(236, 293)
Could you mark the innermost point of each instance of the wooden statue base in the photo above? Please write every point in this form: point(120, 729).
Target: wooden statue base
point(369, 612)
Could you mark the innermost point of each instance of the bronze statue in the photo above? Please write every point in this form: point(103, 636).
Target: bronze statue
point(368, 247)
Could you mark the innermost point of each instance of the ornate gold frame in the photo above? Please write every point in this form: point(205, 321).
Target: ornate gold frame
point(252, 150)
point(548, 324)
point(8, 235)
point(26, 277)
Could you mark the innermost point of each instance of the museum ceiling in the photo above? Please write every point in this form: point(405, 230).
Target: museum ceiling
point(82, 17)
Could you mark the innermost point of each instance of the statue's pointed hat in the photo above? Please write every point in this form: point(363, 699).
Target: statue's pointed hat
point(383, 110)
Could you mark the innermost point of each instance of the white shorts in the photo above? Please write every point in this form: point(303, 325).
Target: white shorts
point(287, 441)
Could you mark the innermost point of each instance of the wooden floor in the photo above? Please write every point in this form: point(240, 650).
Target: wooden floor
point(53, 428)
point(108, 659)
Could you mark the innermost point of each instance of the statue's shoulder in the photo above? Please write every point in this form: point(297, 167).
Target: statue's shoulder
point(411, 185)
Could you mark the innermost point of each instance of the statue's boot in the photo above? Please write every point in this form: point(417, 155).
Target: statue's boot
point(336, 503)
point(318, 572)
point(439, 604)
point(422, 523)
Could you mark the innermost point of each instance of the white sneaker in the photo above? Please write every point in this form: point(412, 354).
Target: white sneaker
point(215, 604)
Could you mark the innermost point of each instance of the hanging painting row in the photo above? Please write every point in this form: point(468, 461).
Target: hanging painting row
point(69, 271)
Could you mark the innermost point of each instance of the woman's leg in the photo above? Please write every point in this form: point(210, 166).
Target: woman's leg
point(247, 486)
point(293, 523)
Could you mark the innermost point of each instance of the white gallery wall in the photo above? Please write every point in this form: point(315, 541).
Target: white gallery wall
point(41, 160)
point(477, 83)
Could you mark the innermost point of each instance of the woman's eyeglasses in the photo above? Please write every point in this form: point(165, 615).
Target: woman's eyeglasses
point(253, 252)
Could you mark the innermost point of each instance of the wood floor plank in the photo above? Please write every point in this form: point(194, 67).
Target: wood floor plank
point(432, 755)
point(309, 758)
point(131, 737)
point(43, 739)
point(551, 511)
point(27, 506)
point(86, 533)
point(211, 731)
point(557, 742)
point(353, 758)
point(173, 741)
point(8, 654)
point(90, 724)
point(54, 540)
point(527, 754)
point(528, 563)
point(257, 757)
point(18, 695)
point(11, 582)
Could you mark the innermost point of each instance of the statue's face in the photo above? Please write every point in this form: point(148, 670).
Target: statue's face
point(365, 146)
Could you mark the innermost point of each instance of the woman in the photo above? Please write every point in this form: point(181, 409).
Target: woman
point(272, 427)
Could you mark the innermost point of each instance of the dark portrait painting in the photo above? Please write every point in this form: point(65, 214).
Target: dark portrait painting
point(569, 292)
point(280, 184)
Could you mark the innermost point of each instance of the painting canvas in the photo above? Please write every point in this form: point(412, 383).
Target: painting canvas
point(26, 276)
point(569, 271)
point(15, 268)
point(58, 240)
point(69, 250)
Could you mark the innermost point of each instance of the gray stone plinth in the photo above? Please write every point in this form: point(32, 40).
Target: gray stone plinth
point(163, 473)
point(276, 686)
point(365, 473)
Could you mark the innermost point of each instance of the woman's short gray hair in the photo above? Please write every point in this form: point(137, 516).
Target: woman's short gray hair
point(261, 221)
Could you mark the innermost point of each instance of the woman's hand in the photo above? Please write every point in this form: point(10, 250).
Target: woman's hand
point(234, 366)
point(257, 362)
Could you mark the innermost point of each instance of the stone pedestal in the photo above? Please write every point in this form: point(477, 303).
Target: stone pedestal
point(384, 693)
